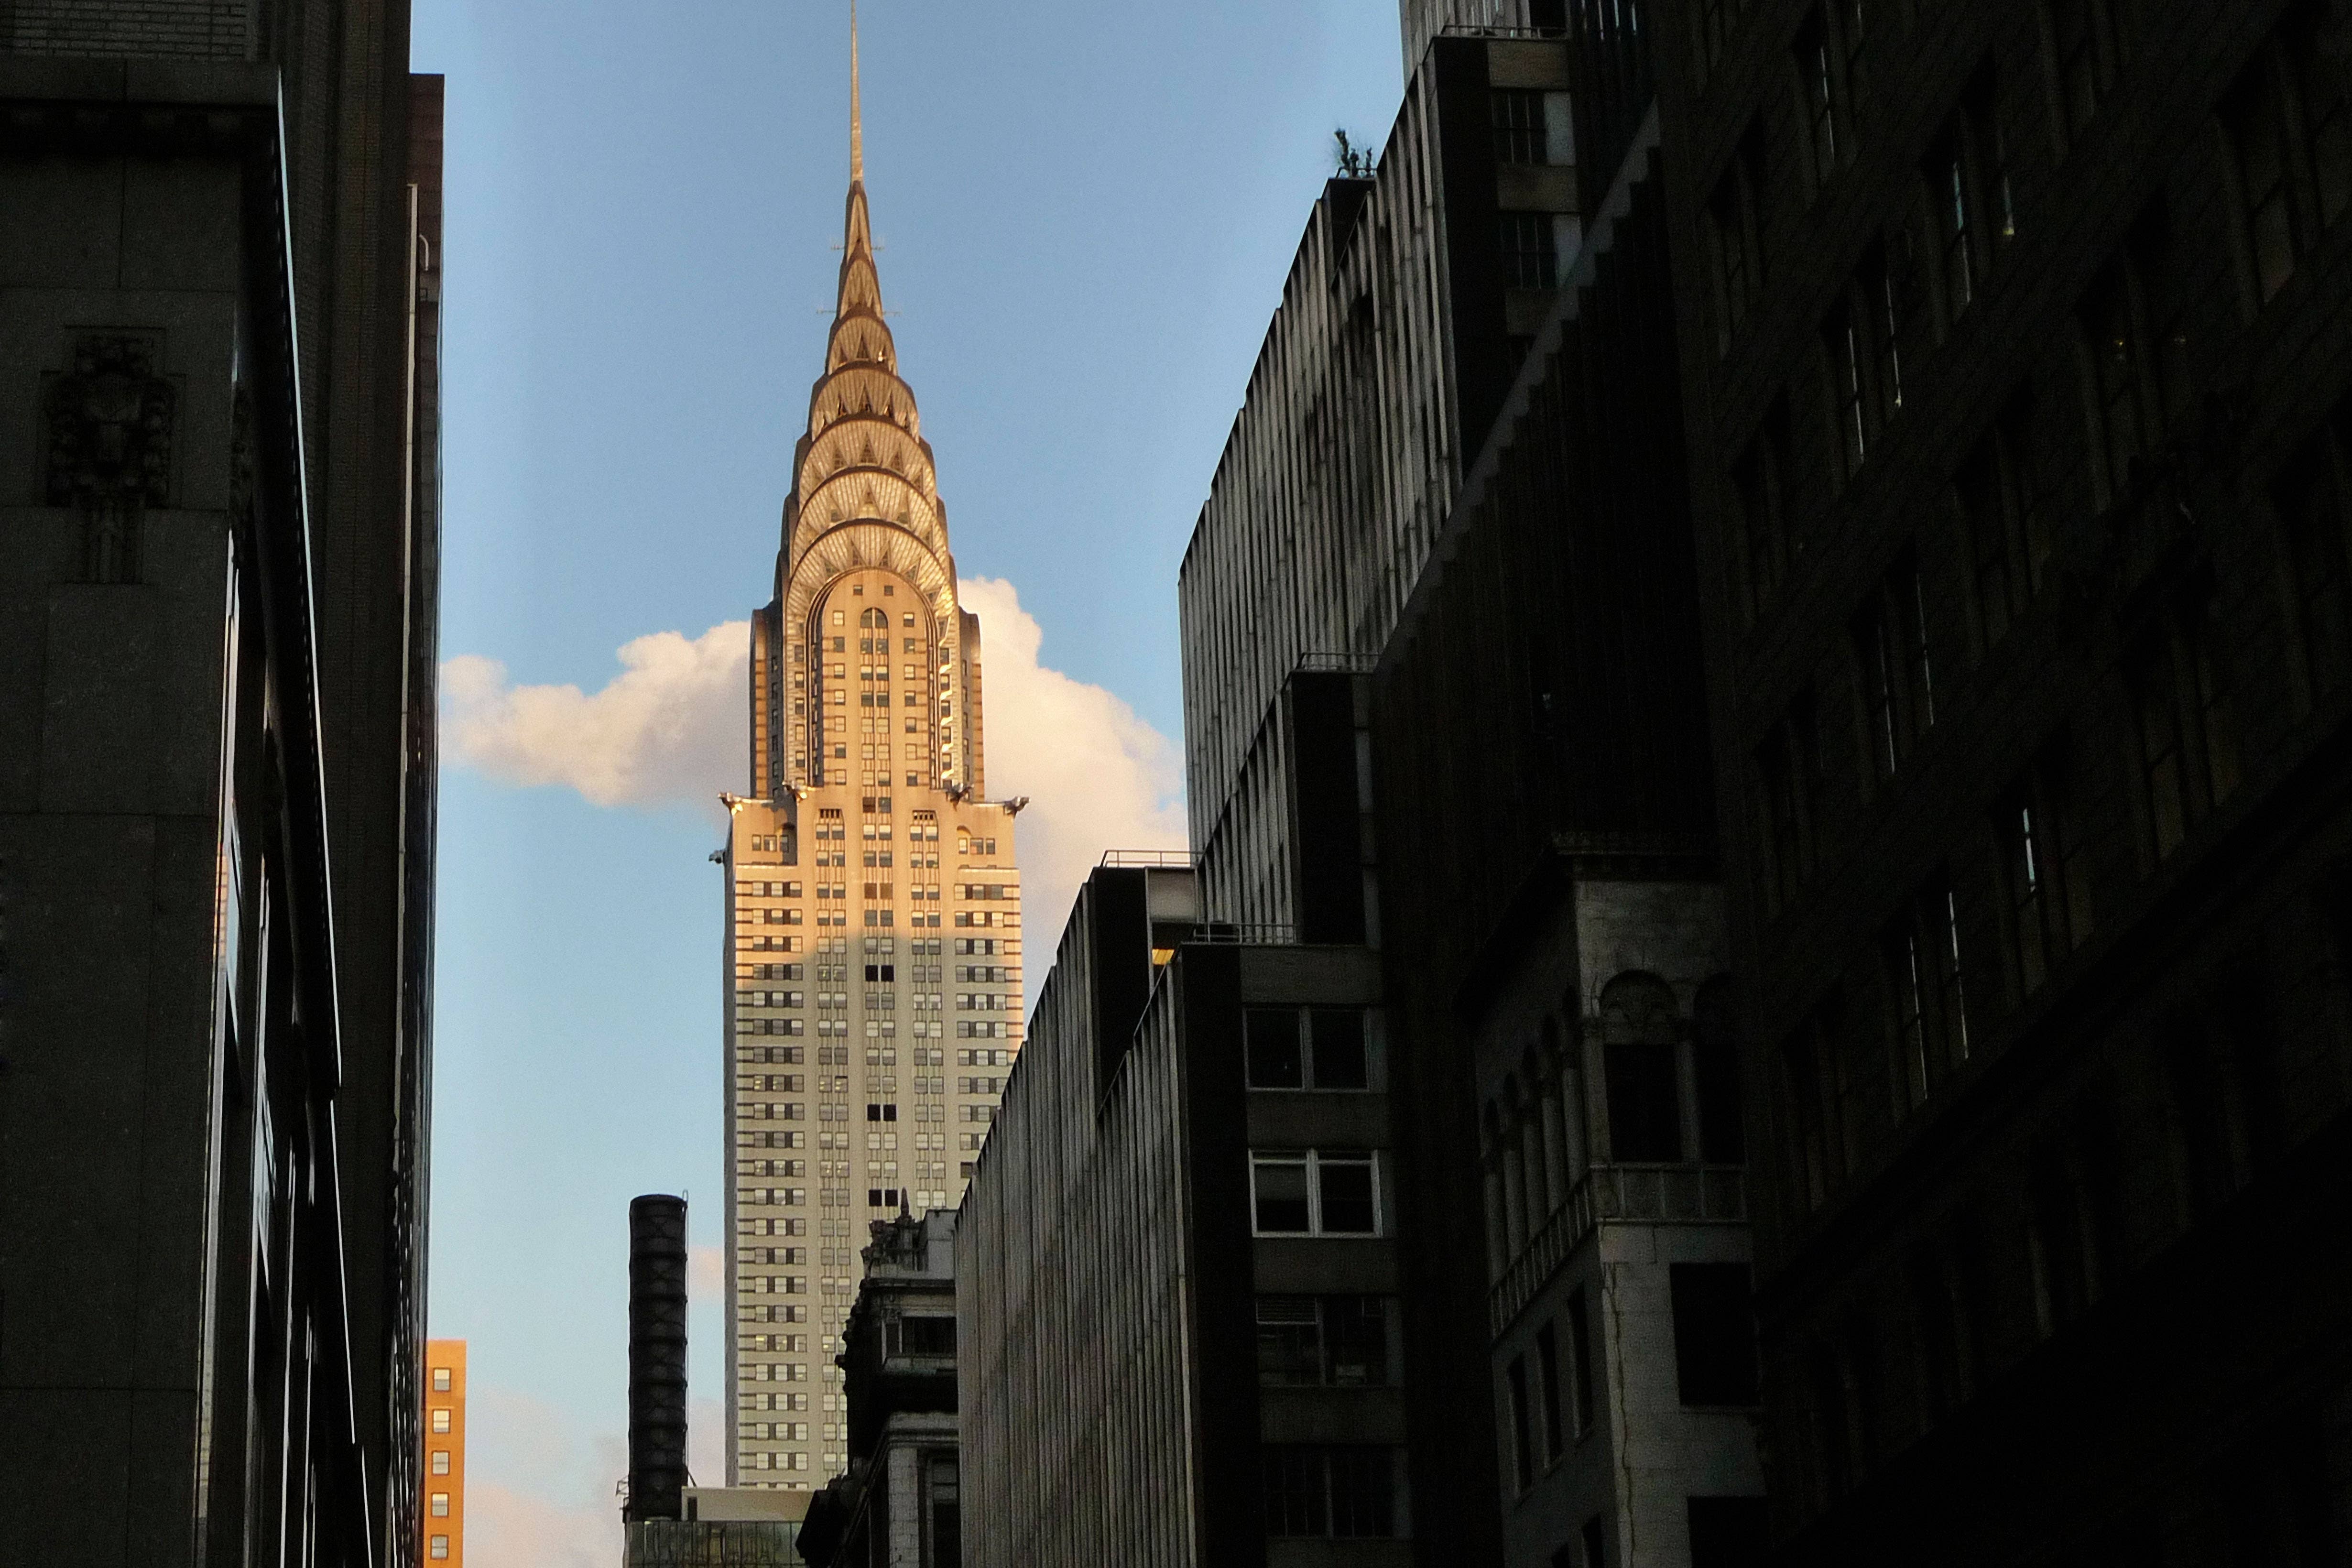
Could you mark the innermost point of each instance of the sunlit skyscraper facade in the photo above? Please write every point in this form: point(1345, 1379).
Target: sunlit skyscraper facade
point(873, 945)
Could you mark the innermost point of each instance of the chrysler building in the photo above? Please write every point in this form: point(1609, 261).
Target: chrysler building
point(873, 908)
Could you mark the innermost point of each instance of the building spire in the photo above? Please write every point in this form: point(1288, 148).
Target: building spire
point(857, 108)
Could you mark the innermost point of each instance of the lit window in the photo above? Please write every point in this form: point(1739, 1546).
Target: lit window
point(440, 1505)
point(441, 1419)
point(440, 1379)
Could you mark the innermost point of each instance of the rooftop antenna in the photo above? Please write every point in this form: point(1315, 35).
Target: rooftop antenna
point(857, 106)
point(1355, 163)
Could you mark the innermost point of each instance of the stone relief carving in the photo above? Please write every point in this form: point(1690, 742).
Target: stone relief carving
point(109, 447)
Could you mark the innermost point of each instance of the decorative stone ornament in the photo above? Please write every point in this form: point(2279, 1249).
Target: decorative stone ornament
point(109, 447)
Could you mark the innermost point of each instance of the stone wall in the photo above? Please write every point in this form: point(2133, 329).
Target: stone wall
point(177, 29)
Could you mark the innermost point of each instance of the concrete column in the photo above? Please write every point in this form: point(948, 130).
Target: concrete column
point(1557, 1178)
point(1514, 1192)
point(1576, 1118)
point(1497, 1258)
point(1539, 1156)
point(1686, 1091)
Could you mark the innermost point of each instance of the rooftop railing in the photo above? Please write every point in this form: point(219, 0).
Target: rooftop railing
point(1500, 30)
point(1245, 935)
point(1329, 663)
point(1177, 860)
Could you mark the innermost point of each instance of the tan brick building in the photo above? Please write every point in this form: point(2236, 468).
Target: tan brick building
point(874, 925)
point(444, 1452)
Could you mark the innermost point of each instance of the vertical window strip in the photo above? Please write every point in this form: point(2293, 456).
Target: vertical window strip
point(1805, 1096)
point(2162, 775)
point(1959, 262)
point(1977, 493)
point(2022, 488)
point(1912, 598)
point(2116, 358)
point(1855, 19)
point(1821, 101)
point(1878, 692)
point(2029, 902)
point(2327, 124)
point(2310, 508)
point(1910, 1012)
point(2217, 721)
point(1955, 1018)
point(1852, 433)
point(2257, 128)
point(1890, 343)
point(2078, 27)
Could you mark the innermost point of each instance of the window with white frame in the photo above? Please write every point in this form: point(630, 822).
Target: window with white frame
point(1314, 1193)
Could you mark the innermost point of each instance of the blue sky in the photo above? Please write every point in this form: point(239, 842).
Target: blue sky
point(1086, 214)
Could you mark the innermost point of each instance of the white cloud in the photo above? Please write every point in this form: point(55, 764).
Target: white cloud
point(672, 729)
point(1098, 776)
point(673, 726)
point(538, 1494)
point(543, 1495)
point(706, 1273)
point(510, 1528)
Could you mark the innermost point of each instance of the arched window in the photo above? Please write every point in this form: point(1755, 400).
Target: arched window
point(1638, 1027)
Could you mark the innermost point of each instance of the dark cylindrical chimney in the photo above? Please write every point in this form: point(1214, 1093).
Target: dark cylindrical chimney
point(656, 1357)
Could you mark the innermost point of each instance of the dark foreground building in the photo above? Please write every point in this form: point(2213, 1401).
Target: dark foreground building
point(219, 265)
point(1553, 925)
point(1176, 1267)
point(898, 1504)
point(1443, 681)
point(2016, 347)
